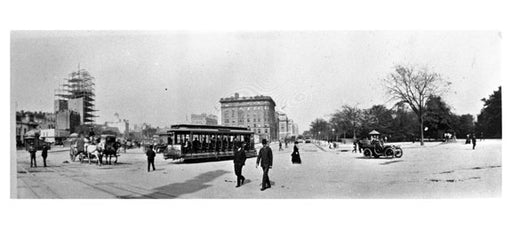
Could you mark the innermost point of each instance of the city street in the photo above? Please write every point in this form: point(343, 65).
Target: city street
point(436, 170)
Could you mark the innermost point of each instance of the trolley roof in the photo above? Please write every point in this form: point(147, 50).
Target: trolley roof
point(208, 129)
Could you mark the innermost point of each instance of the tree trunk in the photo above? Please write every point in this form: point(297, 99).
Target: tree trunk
point(421, 129)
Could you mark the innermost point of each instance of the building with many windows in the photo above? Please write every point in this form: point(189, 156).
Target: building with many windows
point(255, 112)
point(287, 128)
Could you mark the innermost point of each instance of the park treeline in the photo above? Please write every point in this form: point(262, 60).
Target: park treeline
point(400, 123)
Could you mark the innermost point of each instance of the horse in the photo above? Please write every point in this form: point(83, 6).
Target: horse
point(92, 151)
point(110, 149)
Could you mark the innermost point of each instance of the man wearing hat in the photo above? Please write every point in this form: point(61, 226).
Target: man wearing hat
point(239, 161)
point(32, 150)
point(44, 152)
point(265, 157)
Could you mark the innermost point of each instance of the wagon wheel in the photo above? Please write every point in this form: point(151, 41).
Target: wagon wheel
point(398, 153)
point(367, 152)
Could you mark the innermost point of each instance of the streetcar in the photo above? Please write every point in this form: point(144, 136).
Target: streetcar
point(189, 141)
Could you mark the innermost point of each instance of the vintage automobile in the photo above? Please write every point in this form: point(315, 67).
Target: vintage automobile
point(376, 148)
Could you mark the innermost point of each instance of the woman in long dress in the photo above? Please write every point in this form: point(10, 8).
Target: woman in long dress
point(295, 154)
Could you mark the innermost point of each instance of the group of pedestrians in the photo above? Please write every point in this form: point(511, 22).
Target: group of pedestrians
point(32, 149)
point(264, 159)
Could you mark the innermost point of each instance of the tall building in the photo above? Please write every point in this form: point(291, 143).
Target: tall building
point(287, 128)
point(67, 120)
point(283, 125)
point(255, 112)
point(77, 94)
point(204, 119)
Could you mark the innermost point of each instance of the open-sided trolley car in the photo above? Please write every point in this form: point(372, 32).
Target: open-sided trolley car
point(187, 141)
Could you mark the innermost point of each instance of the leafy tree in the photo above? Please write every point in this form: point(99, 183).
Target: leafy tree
point(347, 120)
point(378, 117)
point(413, 87)
point(319, 128)
point(438, 117)
point(489, 120)
point(465, 124)
point(404, 125)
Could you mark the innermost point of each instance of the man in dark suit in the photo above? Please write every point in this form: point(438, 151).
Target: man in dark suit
point(151, 157)
point(265, 157)
point(239, 161)
point(32, 150)
point(44, 153)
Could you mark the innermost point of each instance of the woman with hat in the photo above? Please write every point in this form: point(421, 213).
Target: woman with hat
point(295, 154)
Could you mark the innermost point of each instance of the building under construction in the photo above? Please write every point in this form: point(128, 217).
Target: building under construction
point(76, 94)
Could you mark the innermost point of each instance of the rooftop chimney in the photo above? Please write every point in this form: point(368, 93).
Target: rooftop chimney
point(236, 95)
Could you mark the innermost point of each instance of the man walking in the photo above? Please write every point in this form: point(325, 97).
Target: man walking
point(44, 153)
point(239, 161)
point(265, 157)
point(473, 140)
point(32, 150)
point(280, 145)
point(151, 157)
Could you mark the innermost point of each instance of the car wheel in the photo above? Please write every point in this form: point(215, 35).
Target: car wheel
point(367, 152)
point(389, 152)
point(398, 153)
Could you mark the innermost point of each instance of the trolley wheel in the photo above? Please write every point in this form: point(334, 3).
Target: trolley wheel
point(367, 152)
point(399, 153)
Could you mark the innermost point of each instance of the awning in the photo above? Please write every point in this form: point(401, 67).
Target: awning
point(374, 132)
point(32, 133)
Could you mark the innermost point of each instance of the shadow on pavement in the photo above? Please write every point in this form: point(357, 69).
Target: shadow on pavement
point(390, 162)
point(177, 189)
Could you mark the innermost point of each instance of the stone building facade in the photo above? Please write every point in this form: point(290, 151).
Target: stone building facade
point(254, 112)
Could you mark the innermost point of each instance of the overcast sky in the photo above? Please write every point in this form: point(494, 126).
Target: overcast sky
point(308, 74)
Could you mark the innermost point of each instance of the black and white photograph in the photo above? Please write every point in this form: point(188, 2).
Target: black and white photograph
point(250, 114)
point(266, 114)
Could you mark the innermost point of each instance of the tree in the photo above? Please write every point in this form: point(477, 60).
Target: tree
point(348, 120)
point(319, 128)
point(438, 117)
point(489, 120)
point(413, 87)
point(465, 125)
point(378, 117)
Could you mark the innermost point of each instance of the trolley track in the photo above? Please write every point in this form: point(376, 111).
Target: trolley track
point(31, 183)
point(113, 189)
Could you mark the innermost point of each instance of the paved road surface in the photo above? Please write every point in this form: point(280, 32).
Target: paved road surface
point(433, 171)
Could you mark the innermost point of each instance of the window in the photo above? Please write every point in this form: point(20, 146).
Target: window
point(259, 131)
point(248, 120)
point(266, 131)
